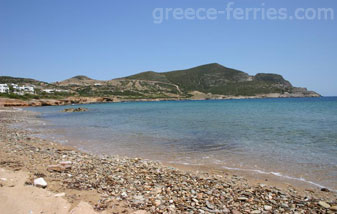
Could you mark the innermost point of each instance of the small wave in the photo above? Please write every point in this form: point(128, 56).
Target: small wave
point(278, 174)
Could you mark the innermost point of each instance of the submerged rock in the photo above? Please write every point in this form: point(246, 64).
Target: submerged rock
point(75, 109)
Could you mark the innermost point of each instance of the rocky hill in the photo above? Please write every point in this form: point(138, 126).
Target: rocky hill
point(210, 81)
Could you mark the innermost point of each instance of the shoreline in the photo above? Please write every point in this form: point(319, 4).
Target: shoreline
point(9, 102)
point(229, 191)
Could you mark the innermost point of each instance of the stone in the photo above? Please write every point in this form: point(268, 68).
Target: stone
point(40, 182)
point(242, 198)
point(58, 168)
point(334, 208)
point(209, 205)
point(324, 204)
point(139, 212)
point(157, 203)
point(75, 109)
point(267, 207)
point(325, 189)
point(65, 163)
point(62, 194)
point(256, 212)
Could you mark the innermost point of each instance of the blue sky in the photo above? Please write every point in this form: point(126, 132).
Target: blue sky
point(53, 40)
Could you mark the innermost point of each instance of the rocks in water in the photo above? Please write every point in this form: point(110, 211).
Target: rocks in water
point(40, 182)
point(75, 109)
point(324, 204)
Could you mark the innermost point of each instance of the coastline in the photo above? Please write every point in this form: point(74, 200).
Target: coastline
point(134, 184)
point(8, 102)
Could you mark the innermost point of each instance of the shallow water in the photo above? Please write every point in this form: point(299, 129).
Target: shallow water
point(294, 138)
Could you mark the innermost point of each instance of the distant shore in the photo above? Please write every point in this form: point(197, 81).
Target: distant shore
point(8, 102)
point(121, 184)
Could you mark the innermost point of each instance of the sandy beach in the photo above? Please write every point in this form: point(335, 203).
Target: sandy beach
point(78, 182)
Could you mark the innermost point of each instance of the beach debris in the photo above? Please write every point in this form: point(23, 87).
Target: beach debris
point(40, 182)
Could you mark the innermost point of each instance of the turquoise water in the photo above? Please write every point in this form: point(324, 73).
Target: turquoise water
point(295, 138)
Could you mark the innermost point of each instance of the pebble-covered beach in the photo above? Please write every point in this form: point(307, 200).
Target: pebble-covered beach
point(131, 185)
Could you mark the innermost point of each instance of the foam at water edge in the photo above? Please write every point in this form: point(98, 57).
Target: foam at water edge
point(279, 175)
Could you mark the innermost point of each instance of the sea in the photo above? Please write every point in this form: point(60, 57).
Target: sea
point(292, 138)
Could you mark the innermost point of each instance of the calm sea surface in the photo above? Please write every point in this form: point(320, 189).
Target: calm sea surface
point(294, 138)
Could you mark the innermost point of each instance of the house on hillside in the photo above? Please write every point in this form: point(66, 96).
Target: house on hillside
point(21, 90)
point(4, 88)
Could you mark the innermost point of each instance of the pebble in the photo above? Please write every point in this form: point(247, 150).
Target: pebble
point(157, 203)
point(147, 186)
point(60, 194)
point(242, 198)
point(40, 182)
point(267, 207)
point(324, 204)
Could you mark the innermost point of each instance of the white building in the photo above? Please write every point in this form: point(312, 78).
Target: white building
point(49, 90)
point(4, 88)
point(23, 89)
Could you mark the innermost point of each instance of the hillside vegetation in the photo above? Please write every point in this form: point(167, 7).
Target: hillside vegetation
point(208, 80)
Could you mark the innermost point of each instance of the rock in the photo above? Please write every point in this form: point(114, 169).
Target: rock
point(40, 182)
point(75, 109)
point(60, 194)
point(242, 198)
point(58, 168)
point(267, 207)
point(157, 203)
point(124, 195)
point(139, 212)
point(325, 190)
point(324, 204)
point(256, 212)
point(235, 212)
point(334, 208)
point(65, 163)
point(209, 205)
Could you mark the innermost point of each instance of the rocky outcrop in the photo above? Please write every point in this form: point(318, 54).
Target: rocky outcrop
point(75, 110)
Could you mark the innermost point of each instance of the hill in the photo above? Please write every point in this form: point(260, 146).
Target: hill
point(80, 80)
point(19, 80)
point(210, 81)
point(217, 79)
